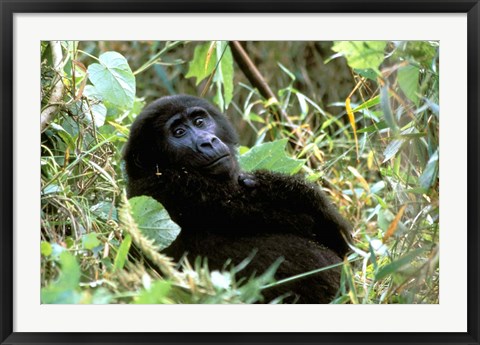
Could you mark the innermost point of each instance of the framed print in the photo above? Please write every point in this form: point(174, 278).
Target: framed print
point(241, 172)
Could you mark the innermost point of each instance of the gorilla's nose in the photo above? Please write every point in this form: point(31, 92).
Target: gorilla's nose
point(206, 142)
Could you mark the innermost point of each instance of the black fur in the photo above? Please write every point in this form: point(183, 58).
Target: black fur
point(226, 214)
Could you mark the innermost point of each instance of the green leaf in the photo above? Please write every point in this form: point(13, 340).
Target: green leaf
point(156, 294)
point(396, 145)
point(93, 112)
point(63, 291)
point(90, 241)
point(101, 296)
point(57, 250)
point(153, 220)
point(113, 79)
point(392, 149)
point(254, 117)
point(430, 173)
point(102, 172)
point(423, 52)
point(373, 128)
point(96, 113)
point(227, 75)
point(362, 54)
point(398, 264)
point(62, 133)
point(122, 253)
point(367, 73)
point(92, 93)
point(196, 67)
point(270, 156)
point(368, 104)
point(105, 211)
point(408, 81)
point(303, 104)
point(45, 248)
point(287, 72)
point(51, 189)
point(387, 110)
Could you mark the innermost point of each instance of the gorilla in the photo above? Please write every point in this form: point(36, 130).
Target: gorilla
point(183, 152)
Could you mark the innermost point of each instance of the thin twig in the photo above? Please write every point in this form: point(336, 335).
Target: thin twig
point(253, 74)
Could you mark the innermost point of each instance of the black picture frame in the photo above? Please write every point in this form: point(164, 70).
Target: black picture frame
point(10, 7)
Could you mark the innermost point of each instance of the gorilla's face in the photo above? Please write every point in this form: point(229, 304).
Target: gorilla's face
point(191, 140)
point(181, 133)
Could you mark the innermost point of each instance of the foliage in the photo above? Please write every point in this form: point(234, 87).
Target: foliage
point(361, 118)
point(270, 156)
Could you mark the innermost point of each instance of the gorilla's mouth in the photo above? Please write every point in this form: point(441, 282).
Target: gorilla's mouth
point(216, 161)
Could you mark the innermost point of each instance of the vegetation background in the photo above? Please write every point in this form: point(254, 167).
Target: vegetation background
point(360, 118)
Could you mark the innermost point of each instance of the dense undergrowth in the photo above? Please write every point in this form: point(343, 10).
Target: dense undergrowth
point(359, 118)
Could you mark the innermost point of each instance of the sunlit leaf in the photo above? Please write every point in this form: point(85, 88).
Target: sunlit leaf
point(63, 291)
point(153, 220)
point(392, 149)
point(105, 210)
point(270, 156)
point(45, 248)
point(122, 253)
point(362, 54)
point(351, 119)
point(113, 79)
point(287, 72)
point(156, 294)
point(398, 264)
point(408, 81)
point(62, 133)
point(394, 224)
point(430, 173)
point(227, 75)
point(368, 104)
point(387, 110)
point(95, 113)
point(210, 50)
point(90, 241)
point(395, 145)
point(196, 67)
point(360, 178)
point(303, 104)
point(367, 73)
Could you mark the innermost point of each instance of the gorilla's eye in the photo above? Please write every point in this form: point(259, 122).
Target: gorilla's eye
point(178, 132)
point(199, 122)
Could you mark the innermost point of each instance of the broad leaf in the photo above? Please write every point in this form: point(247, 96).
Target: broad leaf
point(122, 253)
point(202, 64)
point(63, 291)
point(362, 54)
point(156, 294)
point(399, 264)
point(408, 81)
point(387, 110)
point(395, 145)
point(227, 75)
point(92, 111)
point(367, 73)
point(45, 248)
point(113, 79)
point(105, 211)
point(270, 156)
point(153, 220)
point(430, 173)
point(90, 241)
